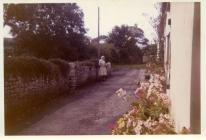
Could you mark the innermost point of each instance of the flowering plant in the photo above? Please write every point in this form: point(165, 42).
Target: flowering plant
point(149, 114)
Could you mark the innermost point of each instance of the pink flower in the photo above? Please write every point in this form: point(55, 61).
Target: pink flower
point(137, 129)
point(129, 123)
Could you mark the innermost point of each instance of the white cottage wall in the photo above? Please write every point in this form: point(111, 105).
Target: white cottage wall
point(182, 15)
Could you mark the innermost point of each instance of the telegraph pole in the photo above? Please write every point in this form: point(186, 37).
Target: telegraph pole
point(98, 33)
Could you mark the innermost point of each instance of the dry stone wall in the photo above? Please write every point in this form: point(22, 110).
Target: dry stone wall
point(25, 97)
point(37, 90)
point(79, 74)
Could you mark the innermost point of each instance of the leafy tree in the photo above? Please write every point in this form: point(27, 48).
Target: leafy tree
point(150, 50)
point(125, 39)
point(121, 35)
point(158, 25)
point(47, 30)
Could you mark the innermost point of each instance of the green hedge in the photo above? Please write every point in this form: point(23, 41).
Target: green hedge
point(87, 63)
point(28, 67)
point(63, 66)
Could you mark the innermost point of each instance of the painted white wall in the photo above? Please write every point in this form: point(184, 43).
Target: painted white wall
point(167, 31)
point(181, 55)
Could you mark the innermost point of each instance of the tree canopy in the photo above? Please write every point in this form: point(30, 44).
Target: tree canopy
point(121, 35)
point(125, 39)
point(57, 31)
point(41, 29)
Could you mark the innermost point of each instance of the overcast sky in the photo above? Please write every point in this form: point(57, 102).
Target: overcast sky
point(115, 12)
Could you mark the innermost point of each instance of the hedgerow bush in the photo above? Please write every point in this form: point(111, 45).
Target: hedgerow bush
point(109, 51)
point(27, 67)
point(63, 66)
point(24, 104)
point(87, 63)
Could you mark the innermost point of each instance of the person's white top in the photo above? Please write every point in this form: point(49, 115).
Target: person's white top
point(102, 69)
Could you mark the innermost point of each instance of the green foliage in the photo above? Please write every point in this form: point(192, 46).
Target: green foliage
point(125, 39)
point(88, 62)
point(57, 31)
point(155, 110)
point(150, 107)
point(28, 67)
point(106, 49)
point(150, 50)
point(110, 52)
point(63, 66)
point(42, 29)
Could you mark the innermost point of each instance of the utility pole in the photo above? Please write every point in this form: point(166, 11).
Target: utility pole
point(98, 33)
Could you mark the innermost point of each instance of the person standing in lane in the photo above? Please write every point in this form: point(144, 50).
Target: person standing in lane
point(102, 69)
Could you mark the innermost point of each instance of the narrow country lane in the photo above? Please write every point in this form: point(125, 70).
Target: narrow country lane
point(94, 112)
